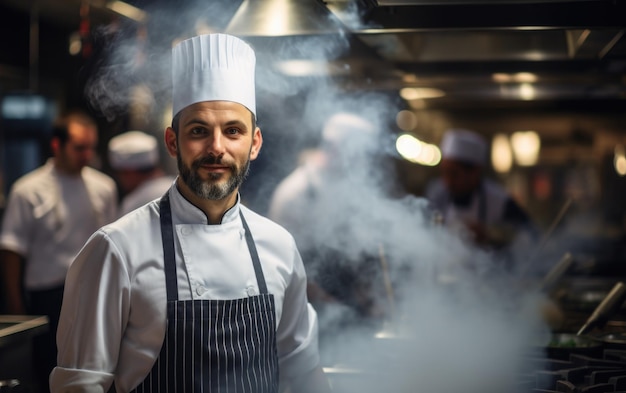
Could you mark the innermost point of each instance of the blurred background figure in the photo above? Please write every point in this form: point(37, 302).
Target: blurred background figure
point(318, 203)
point(50, 214)
point(134, 156)
point(468, 201)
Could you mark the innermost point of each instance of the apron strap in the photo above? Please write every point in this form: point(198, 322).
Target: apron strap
point(169, 255)
point(260, 278)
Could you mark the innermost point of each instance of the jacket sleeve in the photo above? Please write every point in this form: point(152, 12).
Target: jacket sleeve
point(297, 335)
point(93, 316)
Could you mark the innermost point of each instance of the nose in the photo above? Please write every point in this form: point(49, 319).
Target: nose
point(216, 144)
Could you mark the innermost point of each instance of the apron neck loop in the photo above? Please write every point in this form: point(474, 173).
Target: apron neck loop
point(169, 255)
point(260, 278)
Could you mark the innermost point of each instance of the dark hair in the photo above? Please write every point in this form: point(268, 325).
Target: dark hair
point(61, 133)
point(176, 121)
point(60, 130)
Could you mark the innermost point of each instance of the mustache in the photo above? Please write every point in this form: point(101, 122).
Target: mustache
point(212, 160)
point(208, 160)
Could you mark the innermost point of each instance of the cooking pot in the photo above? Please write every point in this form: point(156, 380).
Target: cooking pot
point(611, 340)
point(561, 345)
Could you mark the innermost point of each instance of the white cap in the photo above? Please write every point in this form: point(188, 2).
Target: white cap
point(343, 126)
point(213, 67)
point(133, 150)
point(464, 145)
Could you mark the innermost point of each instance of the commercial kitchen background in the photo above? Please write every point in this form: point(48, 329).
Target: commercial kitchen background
point(498, 67)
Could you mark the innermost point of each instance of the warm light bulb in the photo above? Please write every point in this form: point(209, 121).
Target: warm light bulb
point(526, 146)
point(501, 154)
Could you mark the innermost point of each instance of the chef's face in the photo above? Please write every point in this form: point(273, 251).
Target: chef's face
point(461, 179)
point(78, 150)
point(214, 144)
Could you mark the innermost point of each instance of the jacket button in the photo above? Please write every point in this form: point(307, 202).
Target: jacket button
point(200, 290)
point(251, 291)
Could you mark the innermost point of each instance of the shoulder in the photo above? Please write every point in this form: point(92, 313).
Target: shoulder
point(33, 181)
point(294, 184)
point(100, 185)
point(133, 229)
point(134, 237)
point(136, 222)
point(290, 193)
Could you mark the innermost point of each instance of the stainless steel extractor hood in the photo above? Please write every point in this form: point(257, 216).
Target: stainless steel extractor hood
point(275, 18)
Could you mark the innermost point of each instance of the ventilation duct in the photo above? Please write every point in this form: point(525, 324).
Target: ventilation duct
point(275, 18)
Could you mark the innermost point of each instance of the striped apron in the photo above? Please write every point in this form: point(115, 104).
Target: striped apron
point(217, 346)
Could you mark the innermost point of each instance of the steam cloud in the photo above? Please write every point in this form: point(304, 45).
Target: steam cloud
point(461, 323)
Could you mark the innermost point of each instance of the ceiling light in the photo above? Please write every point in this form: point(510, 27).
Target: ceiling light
point(526, 91)
point(413, 150)
point(420, 93)
point(75, 44)
point(409, 147)
point(620, 160)
point(526, 146)
point(127, 10)
point(501, 154)
point(501, 77)
point(406, 120)
point(303, 68)
point(519, 77)
point(525, 77)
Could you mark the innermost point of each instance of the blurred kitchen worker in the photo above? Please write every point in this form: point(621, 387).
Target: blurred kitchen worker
point(470, 202)
point(134, 155)
point(50, 214)
point(316, 203)
point(194, 292)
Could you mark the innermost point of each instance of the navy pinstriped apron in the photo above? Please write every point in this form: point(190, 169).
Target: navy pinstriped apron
point(217, 346)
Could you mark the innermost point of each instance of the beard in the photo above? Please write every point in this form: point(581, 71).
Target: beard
point(211, 188)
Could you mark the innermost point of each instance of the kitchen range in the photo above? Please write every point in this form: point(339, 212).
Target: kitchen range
point(463, 358)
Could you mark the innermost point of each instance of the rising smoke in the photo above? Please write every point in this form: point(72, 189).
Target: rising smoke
point(455, 320)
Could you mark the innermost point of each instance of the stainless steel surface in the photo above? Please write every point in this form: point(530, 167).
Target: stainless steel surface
point(557, 272)
point(274, 18)
point(606, 308)
point(575, 48)
point(14, 328)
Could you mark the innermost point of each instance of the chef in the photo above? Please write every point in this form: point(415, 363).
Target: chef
point(468, 201)
point(134, 156)
point(194, 292)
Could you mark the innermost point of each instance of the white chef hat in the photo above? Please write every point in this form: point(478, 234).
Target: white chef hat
point(213, 67)
point(344, 127)
point(464, 145)
point(133, 150)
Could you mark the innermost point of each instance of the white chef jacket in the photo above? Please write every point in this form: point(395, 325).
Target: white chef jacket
point(493, 198)
point(49, 217)
point(114, 308)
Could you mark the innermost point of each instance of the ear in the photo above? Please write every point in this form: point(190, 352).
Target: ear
point(257, 142)
point(170, 141)
point(55, 145)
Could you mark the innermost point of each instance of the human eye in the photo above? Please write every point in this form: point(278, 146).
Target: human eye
point(197, 131)
point(232, 131)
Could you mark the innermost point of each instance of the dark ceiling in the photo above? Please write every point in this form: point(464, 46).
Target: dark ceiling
point(575, 49)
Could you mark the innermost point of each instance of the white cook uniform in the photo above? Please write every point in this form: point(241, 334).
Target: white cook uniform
point(114, 309)
point(50, 215)
point(486, 207)
point(146, 192)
